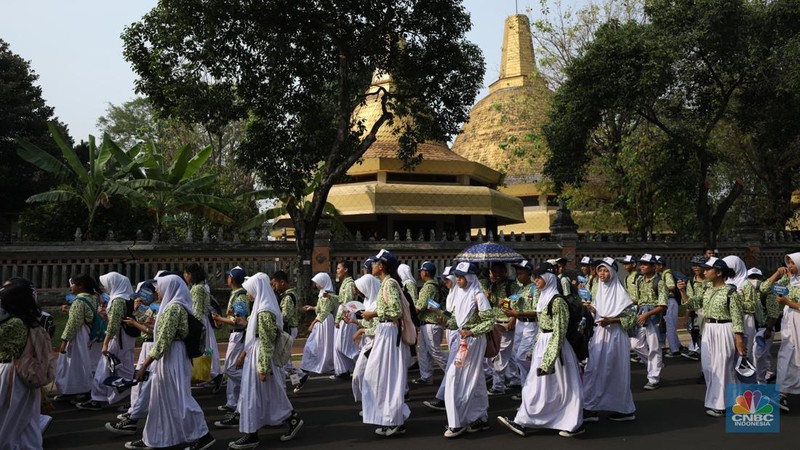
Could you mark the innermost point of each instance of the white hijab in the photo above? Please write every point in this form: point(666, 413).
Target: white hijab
point(549, 291)
point(173, 290)
point(263, 300)
point(450, 302)
point(404, 270)
point(794, 280)
point(740, 271)
point(612, 298)
point(324, 280)
point(117, 285)
point(370, 287)
point(466, 300)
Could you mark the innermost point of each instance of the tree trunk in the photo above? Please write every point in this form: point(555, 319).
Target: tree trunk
point(304, 239)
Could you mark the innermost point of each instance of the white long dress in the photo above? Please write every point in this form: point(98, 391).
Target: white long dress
point(607, 378)
point(345, 349)
point(73, 368)
point(788, 366)
point(103, 393)
point(140, 393)
point(318, 352)
point(465, 391)
point(385, 378)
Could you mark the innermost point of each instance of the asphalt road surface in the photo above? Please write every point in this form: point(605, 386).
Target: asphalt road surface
point(671, 417)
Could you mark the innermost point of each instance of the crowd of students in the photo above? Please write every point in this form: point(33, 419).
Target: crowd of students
point(366, 332)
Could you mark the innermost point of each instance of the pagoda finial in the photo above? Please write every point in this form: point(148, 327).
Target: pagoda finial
point(517, 63)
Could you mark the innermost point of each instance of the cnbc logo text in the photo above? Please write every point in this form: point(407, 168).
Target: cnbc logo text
point(755, 409)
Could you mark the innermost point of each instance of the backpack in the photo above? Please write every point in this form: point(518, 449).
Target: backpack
point(412, 309)
point(580, 327)
point(286, 326)
point(214, 308)
point(48, 323)
point(97, 329)
point(129, 329)
point(408, 331)
point(195, 340)
point(36, 367)
point(282, 350)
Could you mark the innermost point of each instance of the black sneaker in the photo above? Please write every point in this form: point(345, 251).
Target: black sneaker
point(422, 381)
point(590, 416)
point(495, 392)
point(478, 425)
point(91, 405)
point(249, 440)
point(392, 431)
point(579, 431)
point(231, 421)
point(437, 404)
point(226, 409)
point(784, 403)
point(133, 445)
point(299, 385)
point(619, 417)
point(691, 355)
point(294, 423)
point(454, 432)
point(216, 384)
point(651, 386)
point(203, 443)
point(511, 425)
point(715, 412)
point(126, 426)
point(123, 408)
point(124, 416)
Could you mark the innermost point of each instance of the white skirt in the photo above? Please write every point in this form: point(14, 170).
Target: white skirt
point(19, 414)
point(465, 394)
point(607, 378)
point(345, 349)
point(361, 366)
point(385, 378)
point(174, 416)
point(235, 348)
point(788, 367)
point(552, 401)
point(261, 403)
point(453, 339)
point(103, 393)
point(74, 368)
point(318, 352)
point(211, 342)
point(718, 359)
point(140, 393)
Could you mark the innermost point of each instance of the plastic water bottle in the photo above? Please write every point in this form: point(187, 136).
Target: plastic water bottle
point(582, 325)
point(461, 356)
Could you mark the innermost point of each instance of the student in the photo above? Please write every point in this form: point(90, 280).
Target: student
point(74, 367)
point(788, 367)
point(564, 283)
point(431, 330)
point(407, 281)
point(751, 307)
point(20, 414)
point(723, 334)
point(117, 344)
point(552, 397)
point(695, 287)
point(588, 271)
point(767, 303)
point(652, 303)
point(368, 286)
point(195, 277)
point(524, 312)
point(503, 368)
point(385, 375)
point(465, 395)
point(451, 334)
point(236, 317)
point(318, 352)
point(345, 351)
point(289, 310)
point(631, 283)
point(673, 305)
point(607, 377)
point(174, 417)
point(263, 401)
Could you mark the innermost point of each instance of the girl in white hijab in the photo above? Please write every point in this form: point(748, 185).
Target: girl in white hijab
point(368, 286)
point(453, 338)
point(117, 343)
point(751, 302)
point(607, 378)
point(263, 400)
point(408, 281)
point(465, 395)
point(788, 367)
point(174, 416)
point(318, 352)
point(552, 396)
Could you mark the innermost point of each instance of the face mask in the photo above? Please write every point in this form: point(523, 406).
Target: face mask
point(753, 282)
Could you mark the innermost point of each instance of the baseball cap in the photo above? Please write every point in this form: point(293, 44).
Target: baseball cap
point(715, 263)
point(647, 258)
point(524, 265)
point(387, 257)
point(368, 263)
point(628, 259)
point(557, 261)
point(698, 260)
point(754, 272)
point(237, 273)
point(661, 260)
point(587, 261)
point(611, 262)
point(744, 367)
point(465, 268)
point(545, 267)
point(429, 267)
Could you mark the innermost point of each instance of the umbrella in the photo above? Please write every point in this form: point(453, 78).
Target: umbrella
point(489, 251)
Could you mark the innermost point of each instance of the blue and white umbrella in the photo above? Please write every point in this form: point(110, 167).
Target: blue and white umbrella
point(489, 251)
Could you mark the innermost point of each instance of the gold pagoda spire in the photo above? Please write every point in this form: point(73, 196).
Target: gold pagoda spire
point(517, 64)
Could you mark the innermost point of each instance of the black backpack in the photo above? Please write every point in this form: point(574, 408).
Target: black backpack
point(580, 327)
point(195, 341)
point(129, 329)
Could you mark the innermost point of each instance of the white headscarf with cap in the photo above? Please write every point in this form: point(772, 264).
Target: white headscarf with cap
point(612, 298)
point(740, 271)
point(466, 300)
point(117, 285)
point(173, 290)
point(323, 280)
point(370, 287)
point(794, 280)
point(549, 291)
point(404, 271)
point(263, 300)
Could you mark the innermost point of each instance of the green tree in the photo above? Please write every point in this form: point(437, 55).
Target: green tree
point(298, 71)
point(23, 115)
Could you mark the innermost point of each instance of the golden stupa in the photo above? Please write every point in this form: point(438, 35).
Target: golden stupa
point(504, 129)
point(445, 192)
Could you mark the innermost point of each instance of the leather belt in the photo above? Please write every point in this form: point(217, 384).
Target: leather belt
point(708, 320)
point(527, 319)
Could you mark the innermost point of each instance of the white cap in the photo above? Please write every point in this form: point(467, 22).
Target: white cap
point(754, 271)
point(744, 367)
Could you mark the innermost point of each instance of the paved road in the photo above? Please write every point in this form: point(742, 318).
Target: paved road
point(671, 417)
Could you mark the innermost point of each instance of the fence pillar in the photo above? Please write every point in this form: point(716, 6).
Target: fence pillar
point(564, 230)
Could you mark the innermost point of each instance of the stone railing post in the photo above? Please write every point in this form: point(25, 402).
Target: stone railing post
point(564, 230)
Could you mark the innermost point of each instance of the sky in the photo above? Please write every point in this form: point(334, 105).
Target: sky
point(75, 48)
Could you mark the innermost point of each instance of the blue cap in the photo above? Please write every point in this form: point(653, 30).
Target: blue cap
point(647, 258)
point(715, 263)
point(611, 262)
point(545, 267)
point(465, 268)
point(146, 292)
point(386, 257)
point(368, 263)
point(237, 273)
point(587, 261)
point(524, 265)
point(429, 267)
point(698, 260)
point(628, 259)
point(661, 260)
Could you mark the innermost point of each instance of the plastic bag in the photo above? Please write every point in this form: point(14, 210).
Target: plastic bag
point(201, 369)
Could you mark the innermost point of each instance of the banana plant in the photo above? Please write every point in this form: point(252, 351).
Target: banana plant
point(93, 185)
